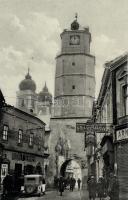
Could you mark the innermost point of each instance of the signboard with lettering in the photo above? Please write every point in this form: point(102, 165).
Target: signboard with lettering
point(122, 134)
point(93, 127)
point(4, 171)
point(23, 157)
point(80, 127)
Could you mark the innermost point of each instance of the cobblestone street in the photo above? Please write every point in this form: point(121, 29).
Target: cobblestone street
point(54, 195)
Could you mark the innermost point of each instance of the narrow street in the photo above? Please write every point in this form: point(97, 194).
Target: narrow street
point(54, 195)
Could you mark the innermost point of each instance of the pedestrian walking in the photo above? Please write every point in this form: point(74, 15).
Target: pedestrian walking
point(79, 183)
point(72, 183)
point(113, 187)
point(61, 185)
point(65, 183)
point(43, 185)
point(8, 187)
point(101, 188)
point(68, 182)
point(92, 188)
point(56, 180)
point(6, 184)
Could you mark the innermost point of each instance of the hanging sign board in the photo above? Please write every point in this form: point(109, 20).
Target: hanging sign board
point(4, 171)
point(80, 127)
point(122, 134)
point(93, 127)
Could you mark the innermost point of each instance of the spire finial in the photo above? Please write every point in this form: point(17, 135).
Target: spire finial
point(28, 70)
point(76, 16)
point(28, 74)
point(75, 24)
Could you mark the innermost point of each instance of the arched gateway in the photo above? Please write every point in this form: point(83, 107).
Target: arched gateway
point(71, 168)
point(74, 96)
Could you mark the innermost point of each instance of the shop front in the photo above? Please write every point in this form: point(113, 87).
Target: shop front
point(21, 163)
point(108, 157)
point(121, 143)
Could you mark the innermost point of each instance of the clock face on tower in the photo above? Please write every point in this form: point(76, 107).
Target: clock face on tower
point(74, 40)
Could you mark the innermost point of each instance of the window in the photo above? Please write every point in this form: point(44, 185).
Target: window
point(125, 99)
point(5, 132)
point(44, 111)
point(31, 139)
point(73, 63)
point(39, 146)
point(20, 136)
point(22, 103)
point(73, 87)
point(32, 102)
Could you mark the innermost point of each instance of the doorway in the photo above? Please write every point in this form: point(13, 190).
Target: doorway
point(18, 169)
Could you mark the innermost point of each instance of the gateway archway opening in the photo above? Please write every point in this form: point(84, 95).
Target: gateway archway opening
point(71, 168)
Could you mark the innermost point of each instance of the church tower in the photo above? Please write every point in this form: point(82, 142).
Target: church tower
point(26, 96)
point(74, 96)
point(44, 105)
point(75, 74)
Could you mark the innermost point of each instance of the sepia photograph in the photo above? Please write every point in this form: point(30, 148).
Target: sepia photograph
point(63, 99)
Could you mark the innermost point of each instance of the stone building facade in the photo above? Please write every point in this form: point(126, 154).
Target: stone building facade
point(109, 155)
point(74, 95)
point(36, 104)
point(22, 138)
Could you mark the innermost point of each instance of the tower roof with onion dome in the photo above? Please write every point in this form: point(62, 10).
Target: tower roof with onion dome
point(27, 83)
point(75, 24)
point(45, 95)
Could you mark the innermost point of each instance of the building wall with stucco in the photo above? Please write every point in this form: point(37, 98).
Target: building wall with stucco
point(20, 154)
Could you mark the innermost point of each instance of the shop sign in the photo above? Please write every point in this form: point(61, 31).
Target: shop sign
point(93, 127)
point(69, 170)
point(23, 157)
point(80, 127)
point(4, 171)
point(122, 134)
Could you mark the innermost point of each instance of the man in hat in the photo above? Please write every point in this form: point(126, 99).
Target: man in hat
point(92, 188)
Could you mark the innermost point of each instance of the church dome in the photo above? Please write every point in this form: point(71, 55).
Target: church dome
point(27, 83)
point(45, 95)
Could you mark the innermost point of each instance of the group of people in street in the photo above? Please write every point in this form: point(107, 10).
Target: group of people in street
point(102, 188)
point(62, 183)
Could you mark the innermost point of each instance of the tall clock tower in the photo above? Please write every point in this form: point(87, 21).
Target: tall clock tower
point(74, 95)
point(75, 74)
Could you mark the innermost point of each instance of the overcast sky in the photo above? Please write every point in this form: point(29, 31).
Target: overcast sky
point(30, 37)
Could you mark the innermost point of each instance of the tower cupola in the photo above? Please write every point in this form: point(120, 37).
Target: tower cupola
point(27, 83)
point(45, 95)
point(75, 24)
